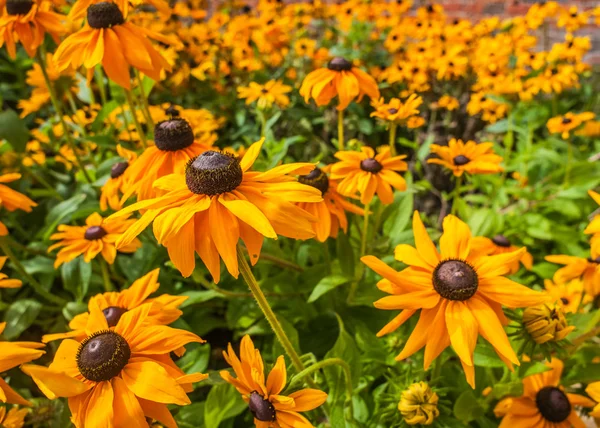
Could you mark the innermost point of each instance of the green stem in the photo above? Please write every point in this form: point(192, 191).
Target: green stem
point(132, 109)
point(341, 130)
point(37, 287)
point(264, 306)
point(437, 368)
point(59, 112)
point(569, 163)
point(106, 276)
point(99, 76)
point(263, 122)
point(456, 194)
point(144, 98)
point(365, 230)
point(393, 128)
point(281, 262)
point(44, 183)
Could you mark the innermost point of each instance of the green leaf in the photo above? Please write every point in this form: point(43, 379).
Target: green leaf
point(76, 276)
point(531, 368)
point(199, 297)
point(13, 130)
point(484, 356)
point(467, 408)
point(345, 254)
point(399, 219)
point(61, 211)
point(223, 402)
point(326, 285)
point(19, 316)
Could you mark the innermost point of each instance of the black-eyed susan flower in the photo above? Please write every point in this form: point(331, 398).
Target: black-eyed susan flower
point(500, 244)
point(269, 408)
point(419, 404)
point(331, 211)
point(395, 110)
point(13, 418)
point(546, 323)
point(588, 269)
point(593, 389)
point(174, 146)
point(13, 355)
point(468, 157)
point(115, 186)
point(563, 125)
point(340, 78)
point(109, 40)
point(98, 236)
point(272, 92)
point(27, 22)
point(448, 102)
point(369, 174)
point(164, 309)
point(12, 200)
point(5, 281)
point(572, 19)
point(593, 228)
point(459, 293)
point(544, 402)
point(217, 202)
point(118, 376)
point(567, 294)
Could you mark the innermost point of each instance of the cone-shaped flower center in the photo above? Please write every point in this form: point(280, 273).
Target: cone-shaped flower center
point(18, 7)
point(102, 356)
point(339, 64)
point(455, 280)
point(553, 404)
point(371, 165)
point(94, 232)
point(113, 315)
point(317, 179)
point(173, 134)
point(461, 160)
point(501, 241)
point(213, 173)
point(118, 169)
point(262, 409)
point(104, 15)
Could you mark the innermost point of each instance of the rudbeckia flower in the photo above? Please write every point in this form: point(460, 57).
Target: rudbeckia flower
point(121, 375)
point(13, 355)
point(578, 267)
point(174, 146)
point(468, 157)
point(13, 418)
point(331, 211)
point(593, 228)
point(12, 200)
point(98, 236)
point(566, 294)
point(448, 102)
point(544, 403)
point(340, 78)
point(109, 40)
point(269, 408)
point(500, 244)
point(116, 185)
point(80, 7)
point(459, 293)
point(593, 389)
point(164, 309)
point(272, 92)
point(217, 201)
point(368, 174)
point(5, 281)
point(563, 125)
point(27, 22)
point(395, 110)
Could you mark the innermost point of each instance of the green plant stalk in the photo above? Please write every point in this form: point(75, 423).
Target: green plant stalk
point(44, 184)
point(37, 287)
point(59, 112)
point(456, 194)
point(393, 128)
point(144, 99)
point(569, 163)
point(363, 251)
point(437, 368)
point(99, 76)
point(263, 122)
point(341, 145)
point(138, 126)
point(266, 309)
point(108, 287)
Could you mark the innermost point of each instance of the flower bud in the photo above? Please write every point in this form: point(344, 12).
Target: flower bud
point(546, 323)
point(418, 404)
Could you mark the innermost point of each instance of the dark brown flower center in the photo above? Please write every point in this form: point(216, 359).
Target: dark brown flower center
point(371, 165)
point(501, 241)
point(566, 120)
point(596, 260)
point(339, 64)
point(113, 315)
point(262, 409)
point(392, 110)
point(93, 233)
point(553, 404)
point(317, 179)
point(173, 134)
point(455, 280)
point(461, 160)
point(118, 169)
point(18, 7)
point(102, 355)
point(564, 300)
point(213, 173)
point(104, 15)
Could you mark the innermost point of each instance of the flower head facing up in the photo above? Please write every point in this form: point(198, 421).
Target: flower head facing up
point(98, 236)
point(459, 292)
point(216, 202)
point(269, 408)
point(340, 78)
point(419, 404)
point(397, 111)
point(104, 15)
point(12, 200)
point(368, 173)
point(121, 374)
point(272, 92)
point(500, 244)
point(468, 157)
point(543, 403)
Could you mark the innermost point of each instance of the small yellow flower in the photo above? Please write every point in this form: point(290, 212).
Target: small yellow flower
point(272, 92)
point(395, 110)
point(418, 404)
point(564, 124)
point(546, 323)
point(449, 103)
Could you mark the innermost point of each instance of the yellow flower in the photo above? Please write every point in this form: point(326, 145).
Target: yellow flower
point(449, 103)
point(269, 407)
point(565, 124)
point(571, 19)
point(98, 236)
point(468, 157)
point(499, 244)
point(272, 92)
point(395, 110)
point(593, 390)
point(115, 186)
point(546, 323)
point(5, 281)
point(418, 404)
point(12, 200)
point(567, 295)
point(14, 418)
point(578, 267)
